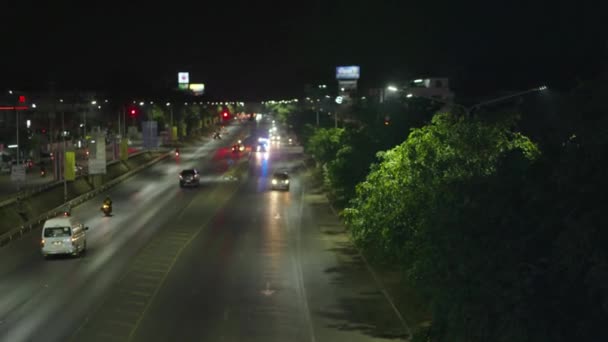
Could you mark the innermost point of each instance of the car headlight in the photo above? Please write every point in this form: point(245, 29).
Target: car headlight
point(286, 181)
point(274, 181)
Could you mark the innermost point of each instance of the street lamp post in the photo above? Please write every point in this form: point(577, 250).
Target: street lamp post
point(468, 110)
point(168, 104)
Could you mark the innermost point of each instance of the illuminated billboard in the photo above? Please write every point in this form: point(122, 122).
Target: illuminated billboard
point(197, 88)
point(183, 77)
point(348, 72)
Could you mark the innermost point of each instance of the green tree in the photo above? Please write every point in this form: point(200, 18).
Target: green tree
point(415, 208)
point(324, 144)
point(282, 110)
point(160, 115)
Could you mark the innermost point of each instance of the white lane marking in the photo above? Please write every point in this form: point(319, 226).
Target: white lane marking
point(299, 274)
point(267, 292)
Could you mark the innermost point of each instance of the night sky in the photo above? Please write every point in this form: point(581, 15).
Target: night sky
point(262, 50)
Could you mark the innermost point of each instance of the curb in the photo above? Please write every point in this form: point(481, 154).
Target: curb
point(30, 225)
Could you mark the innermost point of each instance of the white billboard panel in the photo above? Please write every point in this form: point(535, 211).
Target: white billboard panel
point(352, 72)
point(183, 77)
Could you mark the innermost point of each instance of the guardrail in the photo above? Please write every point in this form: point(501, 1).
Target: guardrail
point(12, 198)
point(31, 224)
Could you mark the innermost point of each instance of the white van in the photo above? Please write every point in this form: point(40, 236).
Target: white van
point(63, 235)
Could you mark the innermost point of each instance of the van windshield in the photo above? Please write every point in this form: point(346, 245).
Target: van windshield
point(57, 231)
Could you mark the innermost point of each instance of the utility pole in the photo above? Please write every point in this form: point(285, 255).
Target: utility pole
point(18, 149)
point(65, 182)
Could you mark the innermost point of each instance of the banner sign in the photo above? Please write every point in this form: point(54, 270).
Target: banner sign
point(69, 166)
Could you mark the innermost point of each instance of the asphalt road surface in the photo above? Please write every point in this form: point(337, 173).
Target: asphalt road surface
point(228, 261)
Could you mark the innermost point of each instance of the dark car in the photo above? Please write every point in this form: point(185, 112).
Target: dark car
point(189, 177)
point(280, 180)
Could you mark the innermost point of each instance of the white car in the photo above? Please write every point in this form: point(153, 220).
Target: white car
point(63, 235)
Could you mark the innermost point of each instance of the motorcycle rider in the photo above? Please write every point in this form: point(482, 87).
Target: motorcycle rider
point(108, 201)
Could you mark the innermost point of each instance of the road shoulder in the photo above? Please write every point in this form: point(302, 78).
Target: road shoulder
point(348, 299)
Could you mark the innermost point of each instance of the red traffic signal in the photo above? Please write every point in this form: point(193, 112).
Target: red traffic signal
point(225, 114)
point(21, 99)
point(133, 112)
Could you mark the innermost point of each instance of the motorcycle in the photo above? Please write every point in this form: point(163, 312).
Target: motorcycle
point(107, 209)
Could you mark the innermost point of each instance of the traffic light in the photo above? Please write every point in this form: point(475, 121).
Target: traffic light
point(133, 112)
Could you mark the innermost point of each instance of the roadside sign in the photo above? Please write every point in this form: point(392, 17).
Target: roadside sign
point(97, 166)
point(69, 172)
point(18, 173)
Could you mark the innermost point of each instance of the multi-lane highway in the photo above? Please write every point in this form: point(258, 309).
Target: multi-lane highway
point(229, 261)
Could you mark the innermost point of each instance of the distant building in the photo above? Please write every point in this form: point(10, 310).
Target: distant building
point(435, 87)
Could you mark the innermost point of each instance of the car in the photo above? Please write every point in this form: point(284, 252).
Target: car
point(280, 180)
point(262, 147)
point(63, 235)
point(189, 177)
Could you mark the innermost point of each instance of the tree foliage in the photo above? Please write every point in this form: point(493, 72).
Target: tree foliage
point(283, 111)
point(422, 207)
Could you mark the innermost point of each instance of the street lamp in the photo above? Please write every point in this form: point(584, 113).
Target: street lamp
point(469, 110)
point(168, 104)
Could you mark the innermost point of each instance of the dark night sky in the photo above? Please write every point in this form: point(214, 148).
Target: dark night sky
point(257, 50)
